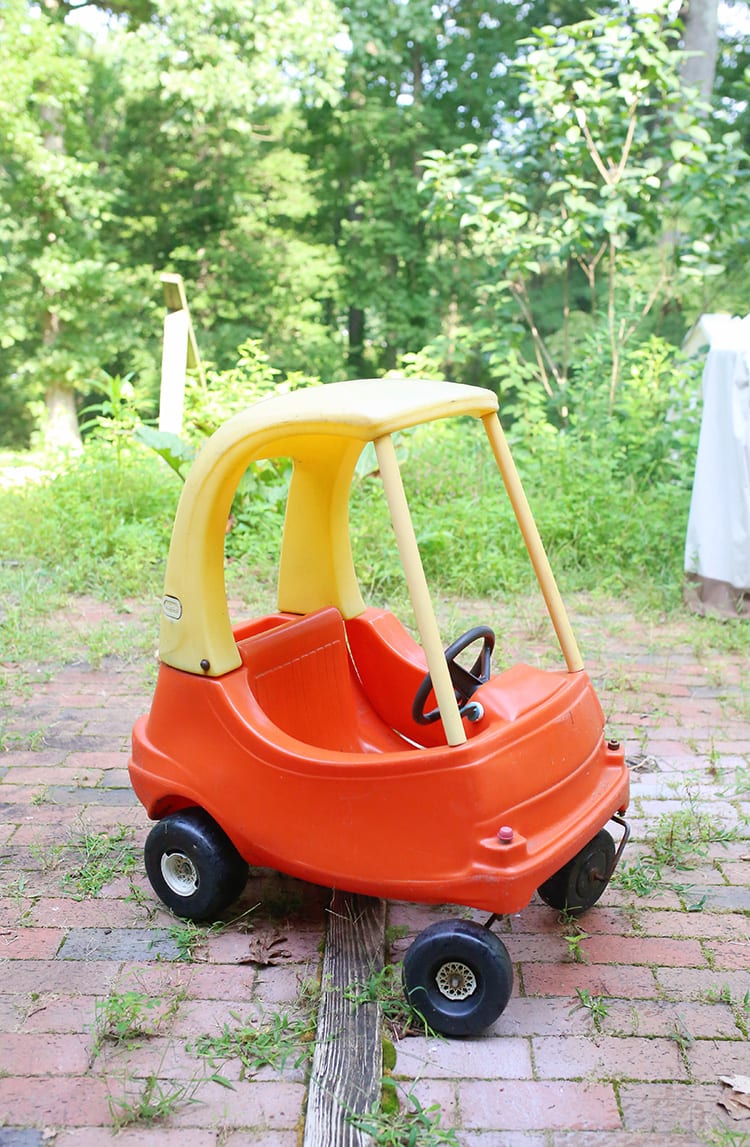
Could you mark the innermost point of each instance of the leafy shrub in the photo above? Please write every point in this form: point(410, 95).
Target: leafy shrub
point(102, 525)
point(610, 492)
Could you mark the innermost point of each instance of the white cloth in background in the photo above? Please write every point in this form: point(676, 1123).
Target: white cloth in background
point(717, 545)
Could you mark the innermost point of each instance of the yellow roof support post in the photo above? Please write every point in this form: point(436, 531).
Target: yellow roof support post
point(419, 591)
point(179, 353)
point(534, 545)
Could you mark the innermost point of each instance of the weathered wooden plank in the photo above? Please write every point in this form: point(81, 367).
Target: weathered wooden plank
point(348, 1059)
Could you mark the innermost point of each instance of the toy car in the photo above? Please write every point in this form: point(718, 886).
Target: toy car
point(324, 741)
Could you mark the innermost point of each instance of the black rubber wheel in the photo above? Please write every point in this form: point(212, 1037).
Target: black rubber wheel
point(458, 977)
point(193, 866)
point(579, 883)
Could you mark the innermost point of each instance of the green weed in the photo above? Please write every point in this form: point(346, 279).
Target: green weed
point(642, 876)
point(99, 858)
point(575, 952)
point(740, 1006)
point(154, 1103)
point(596, 1006)
point(272, 1042)
point(29, 741)
point(106, 525)
point(48, 856)
point(574, 937)
point(189, 939)
point(728, 1137)
point(681, 1036)
point(123, 1017)
point(24, 901)
point(391, 1125)
point(677, 841)
point(136, 895)
point(680, 839)
point(386, 989)
point(395, 932)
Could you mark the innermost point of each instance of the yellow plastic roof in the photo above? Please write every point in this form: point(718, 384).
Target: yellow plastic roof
point(322, 429)
point(366, 409)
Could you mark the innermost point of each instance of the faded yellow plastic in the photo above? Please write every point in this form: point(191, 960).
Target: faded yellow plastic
point(323, 430)
point(539, 560)
point(424, 613)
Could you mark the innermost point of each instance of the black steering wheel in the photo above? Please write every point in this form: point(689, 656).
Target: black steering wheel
point(465, 681)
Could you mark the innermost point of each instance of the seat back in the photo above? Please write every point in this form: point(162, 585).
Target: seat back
point(302, 678)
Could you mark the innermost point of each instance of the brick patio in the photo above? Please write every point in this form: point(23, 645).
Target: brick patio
point(665, 974)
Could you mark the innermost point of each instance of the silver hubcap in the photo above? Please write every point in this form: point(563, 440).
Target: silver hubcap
point(180, 874)
point(456, 981)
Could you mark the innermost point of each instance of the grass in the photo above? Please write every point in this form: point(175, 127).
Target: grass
point(271, 1042)
point(573, 935)
point(92, 859)
point(596, 1006)
point(122, 1018)
point(98, 858)
point(739, 1005)
point(385, 988)
point(406, 1122)
point(728, 1137)
point(676, 841)
point(108, 518)
point(151, 1103)
point(18, 891)
point(191, 938)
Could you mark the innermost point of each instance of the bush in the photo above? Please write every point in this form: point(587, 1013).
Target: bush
point(610, 492)
point(100, 526)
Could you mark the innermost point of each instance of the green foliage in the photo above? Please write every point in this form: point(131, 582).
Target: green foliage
point(98, 858)
point(615, 190)
point(596, 1006)
point(611, 493)
point(414, 1125)
point(257, 1044)
point(153, 1101)
point(106, 522)
point(121, 1018)
point(386, 989)
point(680, 840)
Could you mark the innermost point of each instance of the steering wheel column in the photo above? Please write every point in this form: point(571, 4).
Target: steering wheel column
point(465, 681)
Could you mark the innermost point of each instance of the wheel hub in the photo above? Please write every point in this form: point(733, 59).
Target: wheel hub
point(456, 981)
point(180, 874)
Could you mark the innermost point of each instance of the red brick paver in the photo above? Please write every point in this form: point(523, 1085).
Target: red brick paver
point(618, 1041)
point(667, 967)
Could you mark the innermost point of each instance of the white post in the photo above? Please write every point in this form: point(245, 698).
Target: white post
point(173, 370)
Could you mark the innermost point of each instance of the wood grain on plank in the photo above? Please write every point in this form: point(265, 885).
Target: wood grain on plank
point(348, 1059)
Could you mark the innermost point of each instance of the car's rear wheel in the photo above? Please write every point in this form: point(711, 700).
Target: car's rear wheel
point(579, 883)
point(193, 866)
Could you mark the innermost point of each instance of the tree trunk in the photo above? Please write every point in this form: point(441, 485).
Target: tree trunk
point(356, 355)
point(59, 421)
point(59, 424)
point(701, 21)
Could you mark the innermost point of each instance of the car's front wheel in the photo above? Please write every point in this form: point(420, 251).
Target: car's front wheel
point(458, 976)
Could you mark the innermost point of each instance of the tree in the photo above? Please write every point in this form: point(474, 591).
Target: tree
point(610, 194)
point(420, 76)
point(168, 144)
point(700, 43)
point(52, 203)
